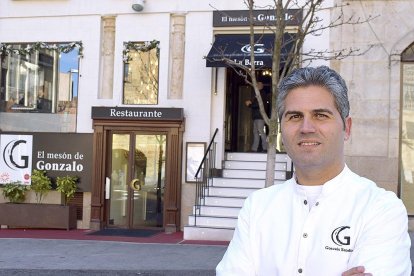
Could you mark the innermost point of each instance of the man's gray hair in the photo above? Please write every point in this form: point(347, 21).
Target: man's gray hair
point(320, 76)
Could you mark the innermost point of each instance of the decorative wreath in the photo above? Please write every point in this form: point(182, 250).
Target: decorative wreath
point(141, 47)
point(7, 49)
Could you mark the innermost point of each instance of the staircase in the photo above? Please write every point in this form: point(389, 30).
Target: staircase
point(243, 173)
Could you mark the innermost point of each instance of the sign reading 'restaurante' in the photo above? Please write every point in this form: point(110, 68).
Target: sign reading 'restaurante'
point(137, 113)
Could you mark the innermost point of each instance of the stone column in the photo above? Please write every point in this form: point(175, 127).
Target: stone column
point(106, 64)
point(177, 51)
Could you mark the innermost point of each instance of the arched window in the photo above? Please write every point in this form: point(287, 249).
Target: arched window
point(407, 129)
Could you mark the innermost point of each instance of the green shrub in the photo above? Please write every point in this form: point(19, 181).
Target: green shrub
point(15, 192)
point(67, 186)
point(41, 184)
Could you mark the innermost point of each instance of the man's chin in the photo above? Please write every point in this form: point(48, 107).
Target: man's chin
point(306, 162)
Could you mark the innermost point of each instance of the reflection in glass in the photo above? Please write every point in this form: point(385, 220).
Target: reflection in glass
point(148, 200)
point(119, 176)
point(44, 81)
point(137, 182)
point(407, 138)
point(141, 77)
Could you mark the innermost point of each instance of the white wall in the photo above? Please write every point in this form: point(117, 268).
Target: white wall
point(74, 20)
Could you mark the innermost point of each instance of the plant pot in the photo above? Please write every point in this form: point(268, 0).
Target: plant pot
point(31, 215)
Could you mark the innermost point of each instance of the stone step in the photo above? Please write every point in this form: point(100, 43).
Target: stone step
point(241, 182)
point(243, 173)
point(229, 191)
point(210, 221)
point(253, 174)
point(224, 201)
point(208, 233)
point(252, 156)
point(252, 165)
point(218, 211)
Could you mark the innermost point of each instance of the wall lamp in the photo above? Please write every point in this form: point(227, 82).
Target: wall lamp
point(139, 5)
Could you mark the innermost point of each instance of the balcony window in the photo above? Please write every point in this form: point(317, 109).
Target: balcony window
point(39, 84)
point(141, 61)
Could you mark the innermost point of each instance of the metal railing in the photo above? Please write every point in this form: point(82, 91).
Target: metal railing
point(204, 175)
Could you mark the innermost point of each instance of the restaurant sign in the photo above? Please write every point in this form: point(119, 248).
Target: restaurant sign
point(137, 113)
point(58, 154)
point(231, 18)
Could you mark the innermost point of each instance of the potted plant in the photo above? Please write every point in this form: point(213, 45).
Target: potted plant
point(15, 192)
point(35, 215)
point(41, 184)
point(67, 186)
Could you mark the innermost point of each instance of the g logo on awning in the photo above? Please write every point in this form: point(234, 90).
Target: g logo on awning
point(339, 238)
point(258, 49)
point(13, 160)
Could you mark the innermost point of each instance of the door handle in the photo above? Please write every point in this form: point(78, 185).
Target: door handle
point(107, 188)
point(134, 184)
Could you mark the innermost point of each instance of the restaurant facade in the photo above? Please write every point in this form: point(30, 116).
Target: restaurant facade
point(118, 94)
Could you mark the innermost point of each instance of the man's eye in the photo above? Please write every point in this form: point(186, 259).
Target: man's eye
point(321, 115)
point(294, 117)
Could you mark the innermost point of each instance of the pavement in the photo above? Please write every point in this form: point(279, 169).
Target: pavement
point(29, 252)
point(33, 252)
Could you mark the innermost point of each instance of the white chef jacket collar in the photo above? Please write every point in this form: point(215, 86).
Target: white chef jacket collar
point(329, 186)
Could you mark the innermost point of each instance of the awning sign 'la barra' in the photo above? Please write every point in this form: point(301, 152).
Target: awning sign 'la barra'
point(137, 113)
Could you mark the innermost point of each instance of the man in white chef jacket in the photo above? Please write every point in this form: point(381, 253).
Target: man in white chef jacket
point(326, 220)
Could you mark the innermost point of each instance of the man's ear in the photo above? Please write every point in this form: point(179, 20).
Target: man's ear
point(348, 126)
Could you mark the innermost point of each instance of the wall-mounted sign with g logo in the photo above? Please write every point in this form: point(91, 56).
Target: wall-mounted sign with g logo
point(339, 236)
point(16, 156)
point(12, 151)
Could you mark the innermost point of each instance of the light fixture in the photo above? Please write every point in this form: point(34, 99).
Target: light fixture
point(266, 72)
point(139, 5)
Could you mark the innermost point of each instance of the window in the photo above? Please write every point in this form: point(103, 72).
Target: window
point(407, 130)
point(141, 61)
point(39, 78)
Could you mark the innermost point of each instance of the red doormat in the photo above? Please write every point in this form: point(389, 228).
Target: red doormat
point(125, 232)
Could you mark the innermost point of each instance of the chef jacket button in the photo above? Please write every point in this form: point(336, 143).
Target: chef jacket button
point(300, 270)
point(305, 202)
point(305, 235)
point(317, 203)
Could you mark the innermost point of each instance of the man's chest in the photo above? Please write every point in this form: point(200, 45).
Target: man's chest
point(320, 240)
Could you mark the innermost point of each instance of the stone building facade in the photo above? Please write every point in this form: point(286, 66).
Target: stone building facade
point(189, 100)
point(380, 84)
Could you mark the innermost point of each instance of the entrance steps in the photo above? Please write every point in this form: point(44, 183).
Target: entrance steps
point(242, 174)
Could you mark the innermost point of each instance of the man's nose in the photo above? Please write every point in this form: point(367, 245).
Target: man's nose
point(308, 125)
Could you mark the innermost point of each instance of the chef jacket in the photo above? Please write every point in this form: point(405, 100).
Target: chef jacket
point(353, 223)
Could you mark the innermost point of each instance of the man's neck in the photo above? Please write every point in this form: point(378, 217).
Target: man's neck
point(315, 177)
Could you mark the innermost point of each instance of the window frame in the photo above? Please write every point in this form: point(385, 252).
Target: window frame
point(407, 58)
point(30, 54)
point(139, 46)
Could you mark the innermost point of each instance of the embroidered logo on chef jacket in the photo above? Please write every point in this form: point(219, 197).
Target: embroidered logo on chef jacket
point(341, 238)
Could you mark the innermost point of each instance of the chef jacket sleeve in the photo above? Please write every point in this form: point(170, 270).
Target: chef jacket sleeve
point(238, 259)
point(383, 246)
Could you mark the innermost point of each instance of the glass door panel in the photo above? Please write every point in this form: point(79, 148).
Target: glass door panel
point(137, 180)
point(148, 182)
point(118, 214)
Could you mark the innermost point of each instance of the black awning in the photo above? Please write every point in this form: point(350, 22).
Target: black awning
point(237, 48)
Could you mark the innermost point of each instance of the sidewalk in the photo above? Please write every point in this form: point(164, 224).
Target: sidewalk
point(27, 253)
point(60, 252)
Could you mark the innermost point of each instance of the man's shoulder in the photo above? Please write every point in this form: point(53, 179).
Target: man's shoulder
point(359, 182)
point(368, 191)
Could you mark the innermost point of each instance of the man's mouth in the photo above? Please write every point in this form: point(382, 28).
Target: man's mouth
point(309, 144)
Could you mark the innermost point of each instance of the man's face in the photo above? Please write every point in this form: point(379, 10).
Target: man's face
point(313, 132)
